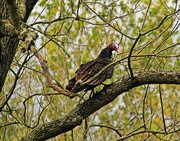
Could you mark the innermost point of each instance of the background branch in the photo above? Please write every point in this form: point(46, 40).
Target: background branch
point(102, 98)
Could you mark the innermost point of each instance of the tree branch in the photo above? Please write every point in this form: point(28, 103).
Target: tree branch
point(129, 57)
point(132, 38)
point(162, 109)
point(8, 45)
point(102, 98)
point(14, 13)
point(53, 83)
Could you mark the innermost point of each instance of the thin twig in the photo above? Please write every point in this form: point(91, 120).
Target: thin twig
point(147, 131)
point(8, 124)
point(162, 109)
point(145, 18)
point(109, 127)
point(143, 109)
point(14, 85)
point(107, 21)
point(130, 53)
point(161, 23)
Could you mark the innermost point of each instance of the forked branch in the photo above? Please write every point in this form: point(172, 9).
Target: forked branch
point(102, 98)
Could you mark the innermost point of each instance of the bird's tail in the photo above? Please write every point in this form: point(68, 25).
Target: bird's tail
point(71, 84)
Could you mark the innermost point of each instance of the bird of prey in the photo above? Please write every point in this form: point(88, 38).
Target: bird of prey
point(88, 70)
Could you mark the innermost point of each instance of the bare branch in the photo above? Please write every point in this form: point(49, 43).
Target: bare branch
point(147, 131)
point(161, 23)
point(53, 83)
point(105, 126)
point(102, 98)
point(14, 85)
point(129, 56)
point(107, 21)
point(162, 109)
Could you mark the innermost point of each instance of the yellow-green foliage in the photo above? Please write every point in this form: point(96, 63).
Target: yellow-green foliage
point(77, 37)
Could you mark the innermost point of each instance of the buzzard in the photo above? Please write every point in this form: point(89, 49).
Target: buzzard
point(88, 70)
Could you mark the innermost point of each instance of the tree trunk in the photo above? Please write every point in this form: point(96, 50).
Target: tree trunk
point(8, 37)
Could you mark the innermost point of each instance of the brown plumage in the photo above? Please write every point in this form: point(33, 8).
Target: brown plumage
point(88, 70)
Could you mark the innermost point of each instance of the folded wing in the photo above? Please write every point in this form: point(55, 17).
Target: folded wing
point(88, 70)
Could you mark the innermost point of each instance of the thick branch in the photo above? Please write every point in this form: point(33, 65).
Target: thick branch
point(102, 98)
point(14, 13)
point(8, 42)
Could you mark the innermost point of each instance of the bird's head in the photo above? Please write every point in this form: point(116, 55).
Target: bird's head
point(107, 52)
point(112, 47)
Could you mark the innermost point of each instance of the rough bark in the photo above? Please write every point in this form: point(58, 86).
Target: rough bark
point(9, 32)
point(102, 98)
